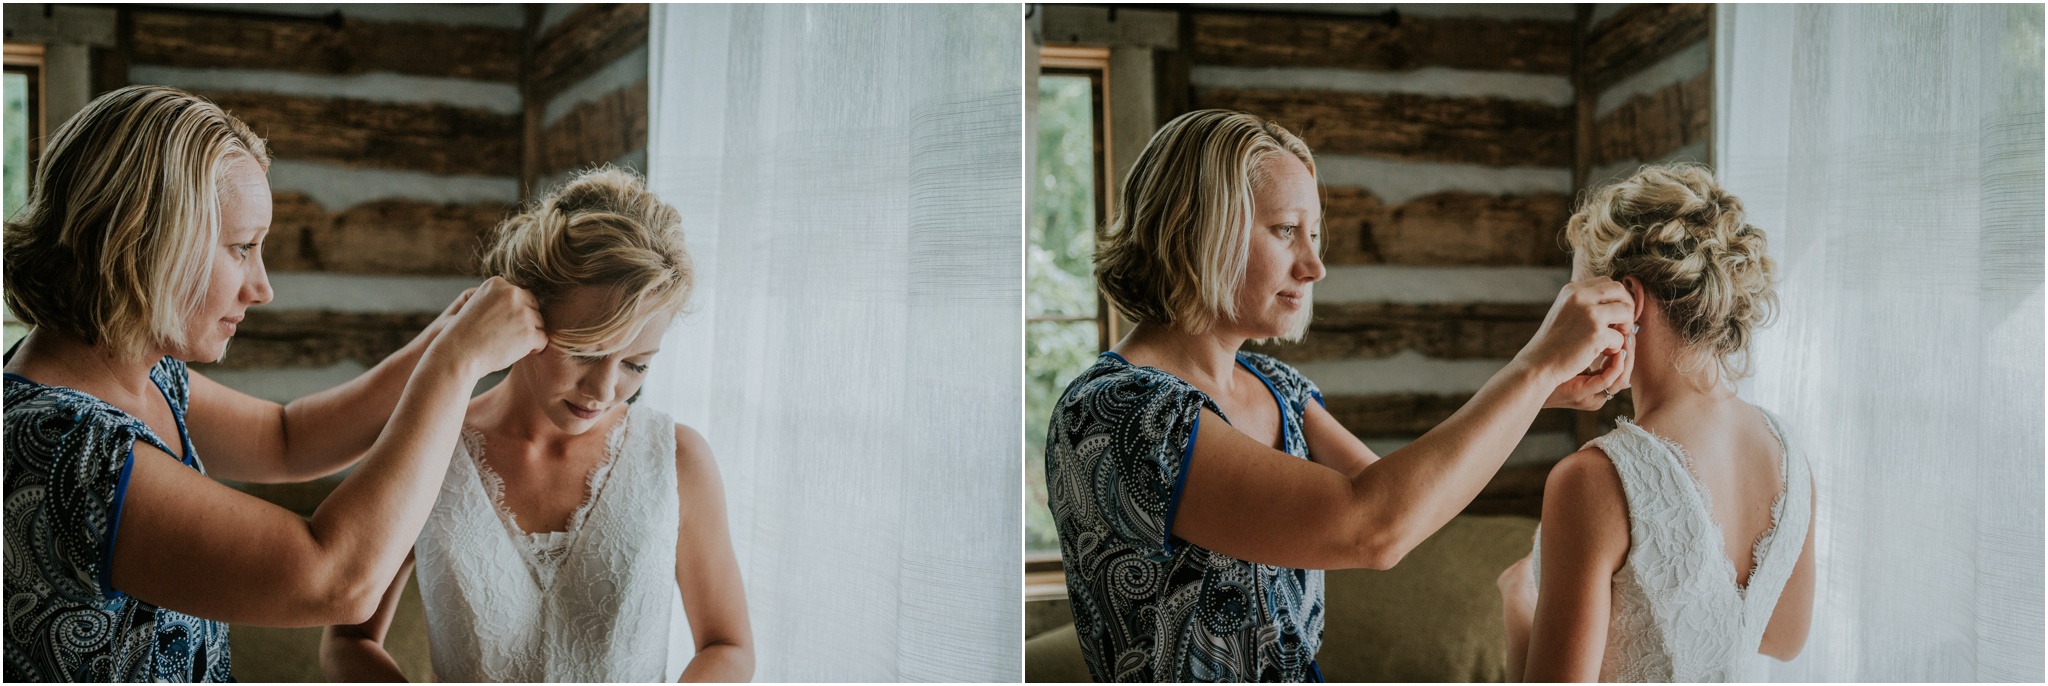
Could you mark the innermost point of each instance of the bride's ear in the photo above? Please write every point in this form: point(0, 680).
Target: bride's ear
point(1638, 294)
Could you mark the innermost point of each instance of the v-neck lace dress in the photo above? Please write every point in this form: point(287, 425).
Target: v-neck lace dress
point(589, 603)
point(1678, 613)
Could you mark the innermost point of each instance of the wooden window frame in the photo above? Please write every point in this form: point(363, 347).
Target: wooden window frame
point(1044, 577)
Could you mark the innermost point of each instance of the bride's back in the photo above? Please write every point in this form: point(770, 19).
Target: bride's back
point(1697, 513)
point(1735, 459)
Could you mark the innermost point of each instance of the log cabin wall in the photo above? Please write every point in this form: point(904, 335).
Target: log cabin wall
point(1444, 140)
point(587, 84)
point(1647, 71)
point(395, 138)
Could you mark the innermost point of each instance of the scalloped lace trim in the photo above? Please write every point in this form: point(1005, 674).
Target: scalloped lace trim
point(546, 551)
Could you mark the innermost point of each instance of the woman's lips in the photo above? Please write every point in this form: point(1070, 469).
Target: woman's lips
point(1291, 298)
point(580, 412)
point(229, 323)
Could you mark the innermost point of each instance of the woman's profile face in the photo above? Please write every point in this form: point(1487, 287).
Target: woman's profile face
point(576, 392)
point(239, 281)
point(1287, 223)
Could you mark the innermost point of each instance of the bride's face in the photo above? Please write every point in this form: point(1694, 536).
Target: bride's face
point(577, 392)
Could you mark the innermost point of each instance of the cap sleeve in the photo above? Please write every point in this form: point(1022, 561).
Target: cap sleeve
point(1138, 441)
point(68, 467)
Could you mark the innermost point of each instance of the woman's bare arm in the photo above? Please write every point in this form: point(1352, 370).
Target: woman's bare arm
point(355, 652)
point(1249, 501)
point(189, 544)
point(1584, 540)
point(707, 571)
point(245, 438)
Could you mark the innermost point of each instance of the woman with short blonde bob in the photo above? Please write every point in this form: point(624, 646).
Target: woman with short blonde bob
point(570, 515)
point(140, 249)
point(1679, 545)
point(1197, 489)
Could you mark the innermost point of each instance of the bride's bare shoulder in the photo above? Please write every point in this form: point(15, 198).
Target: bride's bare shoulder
point(1583, 502)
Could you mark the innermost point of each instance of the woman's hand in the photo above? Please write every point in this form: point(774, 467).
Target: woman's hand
point(1592, 389)
point(1585, 322)
point(440, 323)
point(494, 326)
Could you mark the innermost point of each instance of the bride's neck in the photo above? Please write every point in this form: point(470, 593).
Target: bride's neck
point(506, 412)
point(1658, 383)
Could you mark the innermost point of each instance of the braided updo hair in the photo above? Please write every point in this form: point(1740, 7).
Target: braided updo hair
point(600, 228)
point(1689, 242)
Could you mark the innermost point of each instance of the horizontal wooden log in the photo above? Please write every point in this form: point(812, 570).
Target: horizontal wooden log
point(597, 131)
point(269, 339)
point(1639, 36)
point(1514, 490)
point(1421, 128)
point(383, 237)
point(1414, 414)
point(1649, 127)
point(1444, 229)
point(585, 41)
point(1452, 332)
point(1249, 40)
point(184, 39)
point(437, 139)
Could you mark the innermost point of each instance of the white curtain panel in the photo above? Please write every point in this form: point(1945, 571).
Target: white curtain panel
point(1894, 156)
point(849, 178)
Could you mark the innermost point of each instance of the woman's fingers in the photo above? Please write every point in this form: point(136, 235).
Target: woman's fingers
point(1625, 366)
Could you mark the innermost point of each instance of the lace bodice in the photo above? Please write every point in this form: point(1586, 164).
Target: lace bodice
point(1678, 614)
point(589, 603)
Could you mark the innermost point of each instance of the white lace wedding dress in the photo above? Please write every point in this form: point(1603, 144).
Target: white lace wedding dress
point(591, 603)
point(1678, 614)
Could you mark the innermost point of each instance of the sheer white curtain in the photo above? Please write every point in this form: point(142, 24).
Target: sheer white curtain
point(1894, 155)
point(850, 180)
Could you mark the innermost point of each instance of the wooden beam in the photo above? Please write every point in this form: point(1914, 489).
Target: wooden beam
point(1651, 126)
point(437, 139)
point(1514, 490)
point(1247, 40)
point(1444, 229)
point(1414, 414)
point(185, 39)
point(383, 237)
point(597, 131)
point(1639, 36)
point(270, 339)
point(585, 41)
point(1452, 332)
point(1488, 131)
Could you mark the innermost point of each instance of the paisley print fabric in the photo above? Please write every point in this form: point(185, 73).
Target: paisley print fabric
point(68, 456)
point(1148, 606)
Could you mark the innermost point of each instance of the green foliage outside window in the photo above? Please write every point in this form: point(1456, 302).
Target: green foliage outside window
point(16, 170)
point(1058, 278)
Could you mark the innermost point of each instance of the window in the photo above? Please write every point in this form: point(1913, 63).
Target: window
point(1067, 323)
point(24, 122)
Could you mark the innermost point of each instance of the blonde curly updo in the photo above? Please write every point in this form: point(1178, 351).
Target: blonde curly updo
point(601, 228)
point(1689, 242)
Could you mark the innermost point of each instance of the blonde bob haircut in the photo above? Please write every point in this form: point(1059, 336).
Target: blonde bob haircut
point(601, 228)
point(113, 243)
point(1176, 250)
point(1690, 243)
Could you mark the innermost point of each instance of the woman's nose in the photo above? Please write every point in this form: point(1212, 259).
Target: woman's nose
point(256, 290)
point(599, 385)
point(1310, 266)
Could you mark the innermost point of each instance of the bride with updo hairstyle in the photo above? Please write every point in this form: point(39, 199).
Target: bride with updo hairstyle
point(1680, 544)
point(570, 515)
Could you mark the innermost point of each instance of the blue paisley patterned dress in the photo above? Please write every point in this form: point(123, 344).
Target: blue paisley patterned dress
point(68, 456)
point(1148, 606)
